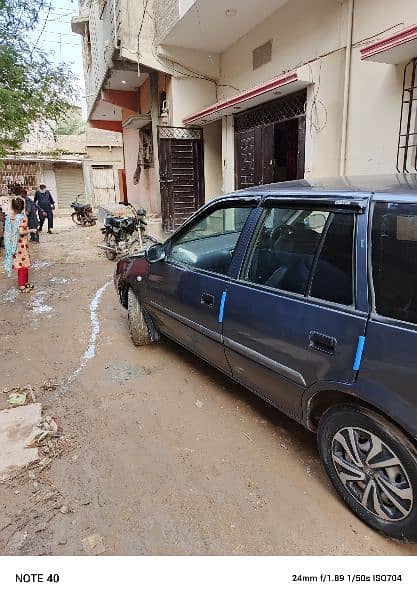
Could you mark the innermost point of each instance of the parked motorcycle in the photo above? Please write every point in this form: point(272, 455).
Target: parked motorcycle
point(125, 235)
point(83, 214)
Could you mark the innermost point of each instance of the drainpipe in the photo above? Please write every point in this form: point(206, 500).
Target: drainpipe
point(153, 75)
point(346, 91)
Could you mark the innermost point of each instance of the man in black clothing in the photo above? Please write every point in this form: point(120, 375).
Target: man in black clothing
point(32, 211)
point(44, 200)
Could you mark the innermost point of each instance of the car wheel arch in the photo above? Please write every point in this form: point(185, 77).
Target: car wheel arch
point(322, 400)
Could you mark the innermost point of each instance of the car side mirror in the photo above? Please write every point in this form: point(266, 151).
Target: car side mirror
point(155, 253)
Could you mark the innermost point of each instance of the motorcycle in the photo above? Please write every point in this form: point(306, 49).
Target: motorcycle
point(125, 235)
point(83, 214)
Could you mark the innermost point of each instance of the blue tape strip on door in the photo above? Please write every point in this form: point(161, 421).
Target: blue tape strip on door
point(221, 307)
point(359, 352)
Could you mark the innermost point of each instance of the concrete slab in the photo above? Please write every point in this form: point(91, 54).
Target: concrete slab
point(16, 426)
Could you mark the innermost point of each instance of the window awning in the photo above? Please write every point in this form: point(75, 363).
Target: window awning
point(280, 86)
point(395, 49)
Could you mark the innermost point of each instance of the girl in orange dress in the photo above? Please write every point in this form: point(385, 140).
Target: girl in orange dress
point(16, 245)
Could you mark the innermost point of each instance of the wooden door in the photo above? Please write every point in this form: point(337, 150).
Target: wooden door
point(268, 153)
point(104, 187)
point(254, 151)
point(245, 159)
point(256, 143)
point(181, 174)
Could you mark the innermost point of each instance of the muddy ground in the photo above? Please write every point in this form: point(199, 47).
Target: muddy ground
point(161, 454)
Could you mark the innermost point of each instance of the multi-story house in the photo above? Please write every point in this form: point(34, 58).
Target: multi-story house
point(211, 95)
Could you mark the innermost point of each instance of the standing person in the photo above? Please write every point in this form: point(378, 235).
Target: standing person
point(43, 199)
point(31, 210)
point(2, 219)
point(16, 245)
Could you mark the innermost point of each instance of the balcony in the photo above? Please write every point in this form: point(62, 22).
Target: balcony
point(209, 25)
point(79, 22)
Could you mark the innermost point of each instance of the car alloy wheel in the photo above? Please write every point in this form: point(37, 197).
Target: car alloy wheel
point(372, 473)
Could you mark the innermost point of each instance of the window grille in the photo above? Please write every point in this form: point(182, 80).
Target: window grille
point(180, 133)
point(288, 107)
point(407, 135)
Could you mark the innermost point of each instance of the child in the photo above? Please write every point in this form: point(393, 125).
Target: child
point(16, 245)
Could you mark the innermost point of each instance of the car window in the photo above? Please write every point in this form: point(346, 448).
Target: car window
point(394, 260)
point(283, 256)
point(210, 242)
point(333, 276)
point(284, 248)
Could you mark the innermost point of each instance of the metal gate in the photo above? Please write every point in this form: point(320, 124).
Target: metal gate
point(104, 188)
point(69, 183)
point(260, 143)
point(181, 174)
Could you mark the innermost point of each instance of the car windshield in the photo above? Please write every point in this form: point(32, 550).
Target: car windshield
point(220, 222)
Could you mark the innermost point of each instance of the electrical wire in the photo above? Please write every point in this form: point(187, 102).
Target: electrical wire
point(43, 27)
point(141, 24)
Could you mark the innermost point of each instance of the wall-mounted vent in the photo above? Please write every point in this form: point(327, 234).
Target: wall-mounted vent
point(262, 55)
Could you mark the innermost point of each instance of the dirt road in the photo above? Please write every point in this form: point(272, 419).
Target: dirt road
point(163, 454)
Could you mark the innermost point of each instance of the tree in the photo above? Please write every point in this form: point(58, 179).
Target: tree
point(71, 123)
point(32, 88)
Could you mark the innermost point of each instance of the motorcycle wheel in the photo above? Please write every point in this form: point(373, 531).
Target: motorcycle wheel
point(109, 240)
point(76, 218)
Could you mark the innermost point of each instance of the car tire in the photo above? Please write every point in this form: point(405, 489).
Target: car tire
point(373, 467)
point(138, 325)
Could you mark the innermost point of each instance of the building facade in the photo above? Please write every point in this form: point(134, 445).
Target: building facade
point(87, 165)
point(57, 163)
point(209, 98)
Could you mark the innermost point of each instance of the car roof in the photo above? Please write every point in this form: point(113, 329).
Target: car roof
point(404, 186)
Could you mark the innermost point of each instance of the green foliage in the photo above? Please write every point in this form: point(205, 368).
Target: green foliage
point(32, 88)
point(71, 123)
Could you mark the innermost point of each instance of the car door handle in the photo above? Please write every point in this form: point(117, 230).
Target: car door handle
point(207, 299)
point(322, 343)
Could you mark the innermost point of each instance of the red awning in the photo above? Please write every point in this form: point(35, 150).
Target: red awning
point(395, 49)
point(280, 86)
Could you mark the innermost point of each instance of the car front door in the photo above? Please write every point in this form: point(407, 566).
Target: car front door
point(184, 292)
point(291, 318)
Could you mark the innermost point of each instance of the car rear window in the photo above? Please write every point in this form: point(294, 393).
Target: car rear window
point(394, 260)
point(304, 251)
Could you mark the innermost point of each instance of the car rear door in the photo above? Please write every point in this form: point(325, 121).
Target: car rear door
point(184, 292)
point(388, 373)
point(292, 318)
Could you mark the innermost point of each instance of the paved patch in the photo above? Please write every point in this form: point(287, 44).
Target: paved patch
point(16, 425)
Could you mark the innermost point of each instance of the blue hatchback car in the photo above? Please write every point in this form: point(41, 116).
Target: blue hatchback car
point(305, 293)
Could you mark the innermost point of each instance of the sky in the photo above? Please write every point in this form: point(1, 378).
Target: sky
point(53, 34)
